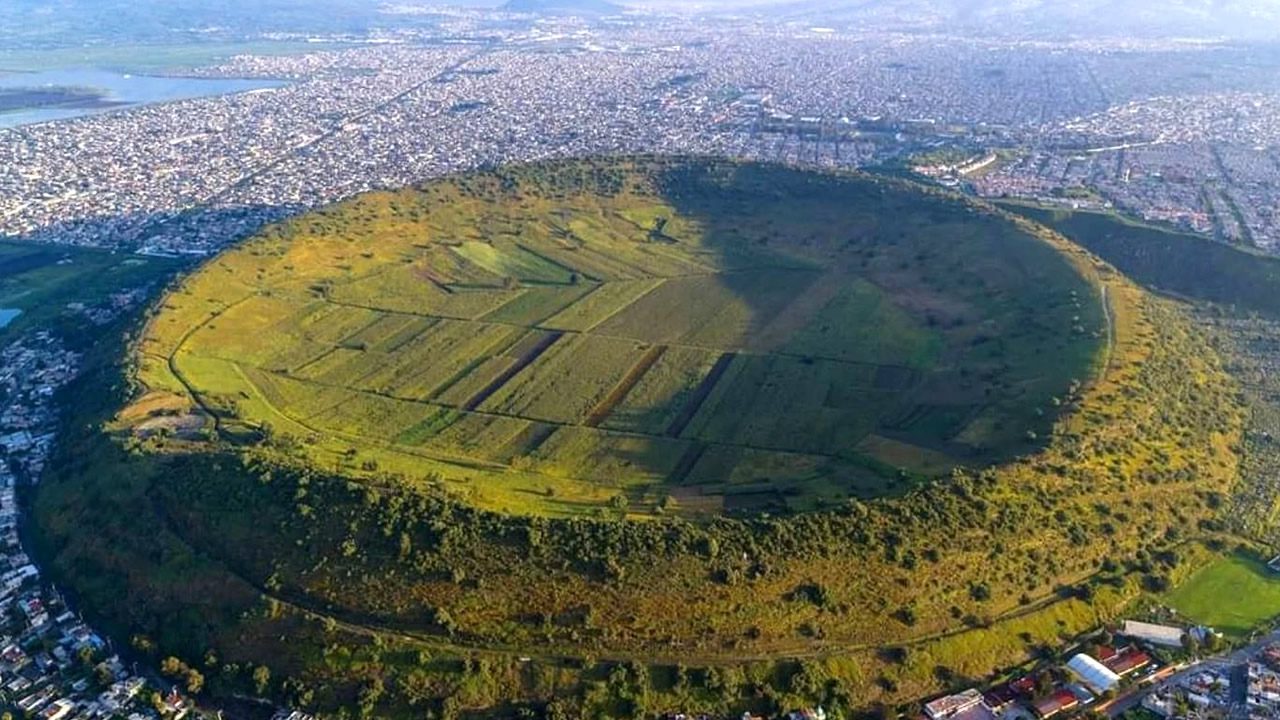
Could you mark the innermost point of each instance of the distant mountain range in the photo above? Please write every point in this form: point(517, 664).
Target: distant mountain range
point(37, 23)
point(1199, 18)
point(30, 23)
point(563, 7)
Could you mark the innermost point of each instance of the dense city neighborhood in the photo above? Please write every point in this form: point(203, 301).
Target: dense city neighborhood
point(52, 665)
point(1075, 122)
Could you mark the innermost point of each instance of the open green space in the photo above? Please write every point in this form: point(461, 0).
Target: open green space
point(687, 335)
point(1234, 595)
point(47, 284)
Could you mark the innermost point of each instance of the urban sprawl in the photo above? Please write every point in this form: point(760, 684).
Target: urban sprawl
point(1095, 124)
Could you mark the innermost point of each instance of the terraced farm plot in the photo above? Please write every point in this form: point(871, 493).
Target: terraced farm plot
point(567, 382)
point(509, 260)
point(605, 457)
point(335, 323)
point(600, 304)
point(384, 334)
point(788, 403)
point(491, 437)
point(708, 311)
point(534, 305)
point(861, 324)
point(435, 359)
point(303, 399)
point(355, 414)
point(692, 326)
point(414, 289)
point(654, 402)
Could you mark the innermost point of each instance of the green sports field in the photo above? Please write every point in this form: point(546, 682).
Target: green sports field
point(1234, 595)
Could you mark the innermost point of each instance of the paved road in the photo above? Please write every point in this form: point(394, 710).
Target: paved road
point(1234, 665)
point(1239, 691)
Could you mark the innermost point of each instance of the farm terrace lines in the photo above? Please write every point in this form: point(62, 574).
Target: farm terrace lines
point(648, 335)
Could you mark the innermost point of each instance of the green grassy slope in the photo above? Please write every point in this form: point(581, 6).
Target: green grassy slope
point(1169, 261)
point(1233, 595)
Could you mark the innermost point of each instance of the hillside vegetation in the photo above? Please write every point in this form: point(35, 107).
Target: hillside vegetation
point(1177, 263)
point(241, 542)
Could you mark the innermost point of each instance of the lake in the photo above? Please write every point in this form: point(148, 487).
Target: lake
point(8, 315)
point(36, 97)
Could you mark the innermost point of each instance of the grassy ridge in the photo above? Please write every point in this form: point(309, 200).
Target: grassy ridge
point(1169, 261)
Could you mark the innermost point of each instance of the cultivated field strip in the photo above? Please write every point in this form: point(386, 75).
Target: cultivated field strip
point(436, 357)
point(624, 386)
point(527, 442)
point(564, 384)
point(652, 405)
point(700, 395)
point(506, 349)
point(597, 307)
point(525, 360)
point(687, 462)
point(536, 304)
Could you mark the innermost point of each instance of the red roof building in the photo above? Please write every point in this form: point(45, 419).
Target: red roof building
point(1058, 701)
point(1128, 661)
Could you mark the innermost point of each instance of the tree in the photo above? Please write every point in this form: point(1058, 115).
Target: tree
point(1213, 643)
point(195, 681)
point(415, 686)
point(1191, 644)
point(560, 710)
point(445, 621)
point(450, 708)
point(980, 592)
point(143, 644)
point(370, 694)
point(86, 655)
point(261, 679)
point(172, 666)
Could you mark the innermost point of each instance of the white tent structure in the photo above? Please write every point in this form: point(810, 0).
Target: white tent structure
point(1097, 676)
point(1155, 634)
